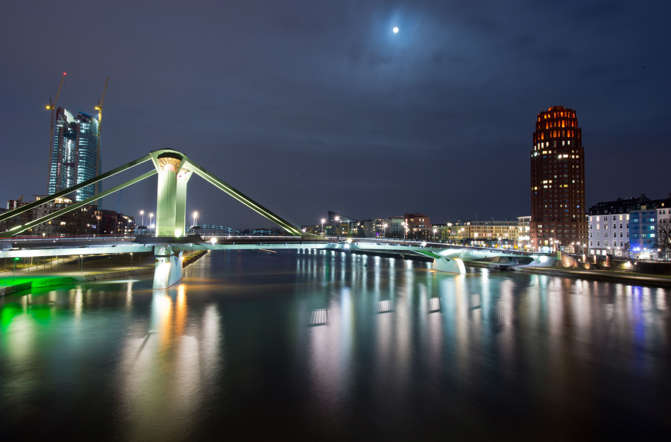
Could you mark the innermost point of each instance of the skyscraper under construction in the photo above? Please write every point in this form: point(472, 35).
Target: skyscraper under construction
point(74, 152)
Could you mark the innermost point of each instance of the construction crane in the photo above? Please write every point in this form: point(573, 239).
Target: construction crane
point(99, 108)
point(51, 107)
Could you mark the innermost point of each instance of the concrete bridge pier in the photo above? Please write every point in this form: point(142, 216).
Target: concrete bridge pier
point(451, 265)
point(168, 267)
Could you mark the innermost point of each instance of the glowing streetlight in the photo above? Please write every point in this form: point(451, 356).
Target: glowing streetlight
point(195, 217)
point(323, 220)
point(142, 215)
point(395, 29)
point(151, 216)
point(384, 229)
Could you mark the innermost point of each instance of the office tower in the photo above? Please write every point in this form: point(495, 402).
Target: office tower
point(558, 217)
point(74, 157)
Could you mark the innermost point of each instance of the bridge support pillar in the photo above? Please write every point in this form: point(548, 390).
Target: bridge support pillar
point(168, 267)
point(451, 265)
point(171, 195)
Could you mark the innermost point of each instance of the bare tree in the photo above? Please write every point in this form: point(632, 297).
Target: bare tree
point(664, 239)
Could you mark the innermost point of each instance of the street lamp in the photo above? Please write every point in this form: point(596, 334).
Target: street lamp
point(151, 216)
point(142, 215)
point(195, 218)
point(384, 229)
point(323, 220)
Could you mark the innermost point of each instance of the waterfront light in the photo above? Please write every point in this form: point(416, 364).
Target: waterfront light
point(194, 215)
point(395, 29)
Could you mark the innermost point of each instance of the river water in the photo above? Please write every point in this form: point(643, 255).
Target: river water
point(259, 346)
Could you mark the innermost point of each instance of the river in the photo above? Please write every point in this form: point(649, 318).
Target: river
point(259, 346)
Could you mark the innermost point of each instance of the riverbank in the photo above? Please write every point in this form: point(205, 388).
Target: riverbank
point(15, 283)
point(603, 275)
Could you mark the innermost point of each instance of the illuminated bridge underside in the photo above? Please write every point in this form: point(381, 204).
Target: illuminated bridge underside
point(292, 243)
point(168, 269)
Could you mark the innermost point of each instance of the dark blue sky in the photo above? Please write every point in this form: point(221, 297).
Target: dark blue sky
point(310, 105)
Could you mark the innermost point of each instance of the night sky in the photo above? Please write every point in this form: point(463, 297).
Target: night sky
point(314, 105)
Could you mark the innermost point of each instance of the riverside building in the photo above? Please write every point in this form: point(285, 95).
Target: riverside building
point(557, 181)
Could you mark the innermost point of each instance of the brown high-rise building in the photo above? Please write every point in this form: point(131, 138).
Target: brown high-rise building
point(558, 181)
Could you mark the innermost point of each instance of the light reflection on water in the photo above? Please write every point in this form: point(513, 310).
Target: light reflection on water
point(335, 339)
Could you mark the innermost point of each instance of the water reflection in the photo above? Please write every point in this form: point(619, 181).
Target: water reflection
point(167, 370)
point(323, 334)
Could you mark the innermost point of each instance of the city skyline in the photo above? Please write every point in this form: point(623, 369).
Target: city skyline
point(399, 120)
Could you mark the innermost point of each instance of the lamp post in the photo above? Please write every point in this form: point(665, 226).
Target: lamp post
point(151, 216)
point(142, 215)
point(384, 230)
point(195, 218)
point(323, 220)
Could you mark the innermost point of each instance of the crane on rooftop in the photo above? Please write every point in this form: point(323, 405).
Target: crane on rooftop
point(99, 108)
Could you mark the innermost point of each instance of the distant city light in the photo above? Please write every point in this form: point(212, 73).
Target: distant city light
point(395, 29)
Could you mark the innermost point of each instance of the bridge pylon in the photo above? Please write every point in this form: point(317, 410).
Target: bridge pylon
point(173, 176)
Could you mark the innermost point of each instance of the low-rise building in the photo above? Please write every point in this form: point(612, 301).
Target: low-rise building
point(111, 222)
point(610, 226)
point(643, 233)
point(608, 233)
point(493, 232)
point(524, 232)
point(395, 227)
point(85, 220)
point(417, 226)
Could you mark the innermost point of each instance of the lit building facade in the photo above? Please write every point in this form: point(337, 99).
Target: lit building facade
point(608, 233)
point(610, 221)
point(74, 157)
point(643, 233)
point(524, 228)
point(417, 226)
point(487, 233)
point(557, 181)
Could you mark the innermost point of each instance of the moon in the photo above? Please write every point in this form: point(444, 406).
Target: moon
point(395, 29)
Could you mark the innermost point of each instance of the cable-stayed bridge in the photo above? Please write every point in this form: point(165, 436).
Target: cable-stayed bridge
point(174, 170)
